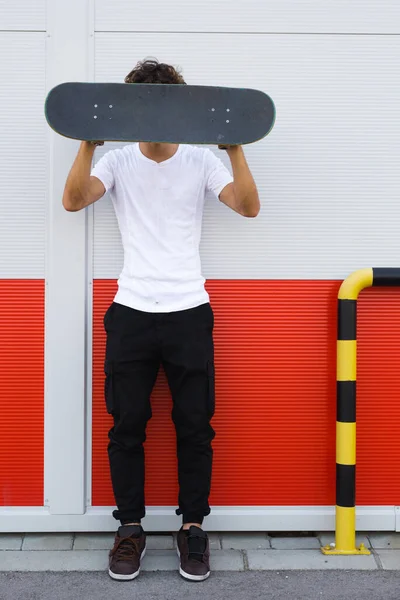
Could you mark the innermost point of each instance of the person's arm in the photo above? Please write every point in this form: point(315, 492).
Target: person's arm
point(242, 194)
point(81, 189)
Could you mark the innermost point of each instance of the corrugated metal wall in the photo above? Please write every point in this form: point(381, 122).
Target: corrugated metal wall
point(253, 16)
point(327, 173)
point(24, 173)
point(328, 180)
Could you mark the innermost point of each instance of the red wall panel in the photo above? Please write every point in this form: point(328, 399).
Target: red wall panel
point(22, 392)
point(378, 397)
point(275, 398)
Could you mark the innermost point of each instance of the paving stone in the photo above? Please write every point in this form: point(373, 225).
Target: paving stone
point(306, 560)
point(11, 541)
point(159, 542)
point(79, 560)
point(160, 560)
point(215, 541)
point(94, 541)
point(390, 559)
point(386, 541)
point(295, 543)
point(245, 541)
point(48, 541)
point(227, 560)
point(97, 560)
point(328, 538)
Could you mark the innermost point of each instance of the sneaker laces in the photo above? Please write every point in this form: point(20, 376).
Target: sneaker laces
point(126, 547)
point(197, 546)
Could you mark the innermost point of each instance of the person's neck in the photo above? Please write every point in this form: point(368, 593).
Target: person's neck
point(158, 152)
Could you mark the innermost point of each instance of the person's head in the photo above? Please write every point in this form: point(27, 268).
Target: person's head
point(152, 71)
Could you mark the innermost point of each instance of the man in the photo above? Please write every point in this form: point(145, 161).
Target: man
point(160, 315)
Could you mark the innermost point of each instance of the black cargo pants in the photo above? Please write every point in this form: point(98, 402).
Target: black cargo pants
point(137, 344)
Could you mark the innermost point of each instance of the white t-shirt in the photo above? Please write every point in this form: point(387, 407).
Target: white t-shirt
point(159, 208)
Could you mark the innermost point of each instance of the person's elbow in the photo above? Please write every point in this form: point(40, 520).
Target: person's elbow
point(71, 202)
point(251, 205)
point(252, 213)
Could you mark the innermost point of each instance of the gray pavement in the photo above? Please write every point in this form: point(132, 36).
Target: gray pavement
point(58, 566)
point(253, 551)
point(250, 585)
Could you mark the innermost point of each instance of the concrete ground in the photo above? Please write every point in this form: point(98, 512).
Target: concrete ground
point(250, 585)
point(244, 565)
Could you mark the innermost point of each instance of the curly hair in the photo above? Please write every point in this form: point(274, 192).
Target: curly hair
point(152, 71)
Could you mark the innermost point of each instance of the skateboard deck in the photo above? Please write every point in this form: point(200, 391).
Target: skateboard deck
point(187, 114)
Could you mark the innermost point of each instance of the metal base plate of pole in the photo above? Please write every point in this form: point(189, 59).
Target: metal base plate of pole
point(332, 550)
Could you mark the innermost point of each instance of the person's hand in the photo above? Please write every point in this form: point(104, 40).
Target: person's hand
point(97, 143)
point(230, 150)
point(227, 147)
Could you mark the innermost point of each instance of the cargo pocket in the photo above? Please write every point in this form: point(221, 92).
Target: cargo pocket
point(108, 386)
point(211, 388)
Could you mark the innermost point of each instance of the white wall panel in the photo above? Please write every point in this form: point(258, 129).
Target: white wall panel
point(67, 433)
point(328, 174)
point(277, 16)
point(23, 157)
point(23, 15)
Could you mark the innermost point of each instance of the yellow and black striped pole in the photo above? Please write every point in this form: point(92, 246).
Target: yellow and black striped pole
point(345, 541)
point(346, 375)
point(346, 369)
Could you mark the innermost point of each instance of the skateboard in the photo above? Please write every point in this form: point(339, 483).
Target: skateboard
point(187, 114)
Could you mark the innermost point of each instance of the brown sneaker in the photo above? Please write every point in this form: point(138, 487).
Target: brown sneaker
point(194, 553)
point(129, 548)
